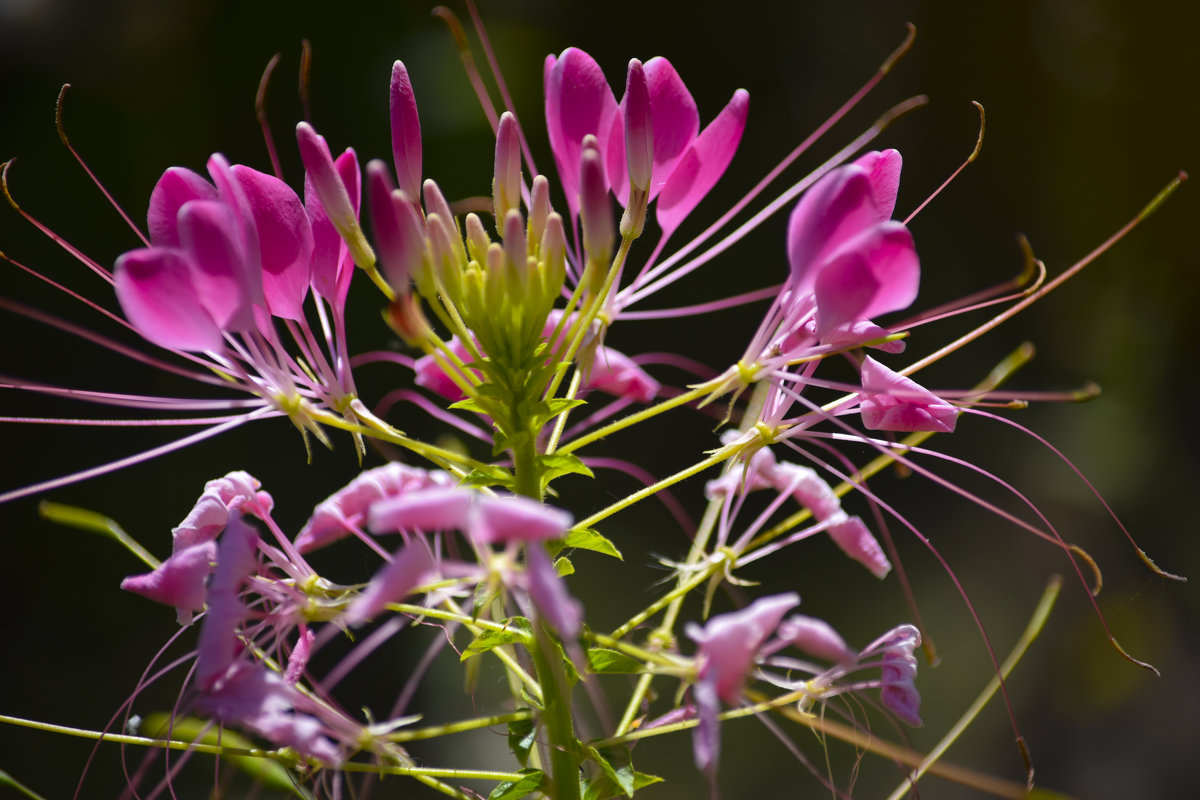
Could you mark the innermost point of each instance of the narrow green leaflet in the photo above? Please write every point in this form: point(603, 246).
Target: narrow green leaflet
point(601, 660)
point(488, 476)
point(511, 790)
point(564, 567)
point(516, 630)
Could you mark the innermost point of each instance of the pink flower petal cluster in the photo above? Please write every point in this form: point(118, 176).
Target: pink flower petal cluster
point(846, 251)
point(181, 580)
point(685, 162)
point(346, 509)
point(220, 254)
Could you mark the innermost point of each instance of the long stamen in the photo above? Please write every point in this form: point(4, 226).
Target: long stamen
point(62, 134)
point(260, 112)
point(54, 237)
point(799, 150)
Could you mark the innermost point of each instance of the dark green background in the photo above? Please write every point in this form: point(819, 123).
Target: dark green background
point(1091, 110)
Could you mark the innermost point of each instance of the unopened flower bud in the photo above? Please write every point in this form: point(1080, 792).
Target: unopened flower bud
point(398, 230)
point(406, 132)
point(506, 185)
point(595, 211)
point(314, 152)
point(539, 210)
point(477, 239)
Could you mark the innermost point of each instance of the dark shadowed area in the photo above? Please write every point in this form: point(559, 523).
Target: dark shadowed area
point(1090, 112)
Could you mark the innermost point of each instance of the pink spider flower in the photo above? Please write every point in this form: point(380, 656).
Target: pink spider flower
point(685, 162)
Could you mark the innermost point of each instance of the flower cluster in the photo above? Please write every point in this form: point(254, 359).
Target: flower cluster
point(502, 305)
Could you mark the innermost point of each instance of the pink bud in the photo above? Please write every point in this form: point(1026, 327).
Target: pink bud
point(406, 132)
point(332, 192)
point(639, 131)
point(506, 185)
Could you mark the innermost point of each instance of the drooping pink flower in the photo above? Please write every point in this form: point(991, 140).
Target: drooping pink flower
point(236, 492)
point(892, 402)
point(253, 697)
point(729, 642)
point(346, 509)
point(486, 520)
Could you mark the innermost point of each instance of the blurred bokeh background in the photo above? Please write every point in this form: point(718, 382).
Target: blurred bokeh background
point(1091, 110)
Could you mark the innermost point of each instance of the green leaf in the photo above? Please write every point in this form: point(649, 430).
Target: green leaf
point(267, 771)
point(521, 738)
point(468, 405)
point(619, 776)
point(489, 476)
point(516, 630)
point(564, 567)
point(601, 661)
point(511, 790)
point(602, 787)
point(556, 464)
point(588, 539)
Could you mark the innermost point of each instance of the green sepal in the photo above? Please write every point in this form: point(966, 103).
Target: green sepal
point(531, 780)
point(267, 771)
point(521, 738)
point(585, 539)
point(517, 630)
point(601, 660)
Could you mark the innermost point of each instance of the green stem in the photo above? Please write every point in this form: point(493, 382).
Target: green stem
point(556, 717)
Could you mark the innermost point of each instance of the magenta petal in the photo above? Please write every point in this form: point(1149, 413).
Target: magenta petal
point(815, 637)
point(831, 213)
point(285, 240)
point(676, 121)
point(431, 510)
point(706, 738)
point(852, 536)
point(179, 581)
point(155, 290)
point(333, 518)
point(703, 164)
point(893, 402)
point(579, 102)
point(876, 273)
point(406, 132)
point(209, 232)
point(617, 374)
point(176, 187)
point(508, 518)
point(259, 700)
point(399, 230)
point(549, 594)
point(410, 567)
point(218, 640)
point(883, 168)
